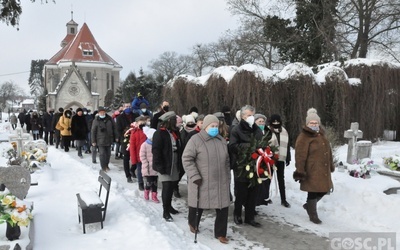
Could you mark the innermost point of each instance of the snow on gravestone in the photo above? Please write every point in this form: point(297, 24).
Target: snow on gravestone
point(17, 180)
point(352, 134)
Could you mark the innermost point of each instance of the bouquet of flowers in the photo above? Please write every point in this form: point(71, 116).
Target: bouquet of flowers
point(392, 162)
point(257, 161)
point(365, 167)
point(14, 213)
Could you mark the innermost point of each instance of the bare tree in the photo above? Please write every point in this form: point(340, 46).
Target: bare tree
point(170, 64)
point(364, 25)
point(8, 91)
point(201, 57)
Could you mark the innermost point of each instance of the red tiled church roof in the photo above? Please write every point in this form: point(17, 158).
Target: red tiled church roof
point(82, 48)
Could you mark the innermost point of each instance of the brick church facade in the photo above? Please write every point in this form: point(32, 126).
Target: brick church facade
point(81, 73)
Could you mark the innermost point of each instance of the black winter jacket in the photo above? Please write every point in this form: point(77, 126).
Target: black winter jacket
point(79, 127)
point(162, 151)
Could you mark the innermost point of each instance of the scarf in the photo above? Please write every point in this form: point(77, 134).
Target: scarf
point(282, 143)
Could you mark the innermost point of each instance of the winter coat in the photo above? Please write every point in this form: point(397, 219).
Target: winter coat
point(123, 123)
point(35, 122)
point(146, 157)
point(207, 158)
point(21, 117)
point(79, 127)
point(65, 123)
point(47, 122)
point(139, 100)
point(162, 151)
point(27, 120)
point(56, 117)
point(240, 139)
point(13, 119)
point(154, 121)
point(136, 140)
point(313, 157)
point(103, 131)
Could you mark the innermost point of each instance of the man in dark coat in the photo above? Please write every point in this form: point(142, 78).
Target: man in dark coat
point(21, 117)
point(79, 130)
point(163, 109)
point(124, 121)
point(240, 139)
point(48, 130)
point(103, 134)
point(28, 121)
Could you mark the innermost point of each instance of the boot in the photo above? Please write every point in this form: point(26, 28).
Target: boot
point(154, 197)
point(176, 192)
point(146, 194)
point(167, 215)
point(311, 207)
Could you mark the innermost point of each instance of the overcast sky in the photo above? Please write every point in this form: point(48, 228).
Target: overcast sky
point(132, 32)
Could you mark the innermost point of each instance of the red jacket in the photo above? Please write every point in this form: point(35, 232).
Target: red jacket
point(136, 140)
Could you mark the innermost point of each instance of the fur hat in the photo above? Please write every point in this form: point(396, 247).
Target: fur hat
point(168, 115)
point(312, 116)
point(258, 116)
point(208, 120)
point(275, 118)
point(149, 133)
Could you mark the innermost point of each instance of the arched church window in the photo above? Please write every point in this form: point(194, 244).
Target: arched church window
point(89, 79)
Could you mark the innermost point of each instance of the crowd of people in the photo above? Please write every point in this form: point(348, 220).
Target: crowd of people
point(163, 147)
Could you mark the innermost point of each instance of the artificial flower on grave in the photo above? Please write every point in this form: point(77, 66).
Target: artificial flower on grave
point(11, 154)
point(257, 161)
point(13, 211)
point(36, 154)
point(363, 168)
point(392, 162)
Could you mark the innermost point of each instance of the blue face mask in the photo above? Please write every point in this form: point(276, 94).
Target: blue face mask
point(315, 128)
point(213, 132)
point(102, 116)
point(127, 110)
point(262, 127)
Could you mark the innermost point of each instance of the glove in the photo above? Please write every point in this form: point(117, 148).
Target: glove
point(198, 182)
point(297, 176)
point(287, 163)
point(69, 129)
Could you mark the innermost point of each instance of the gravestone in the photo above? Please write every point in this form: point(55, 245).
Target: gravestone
point(352, 134)
point(19, 137)
point(17, 180)
point(364, 149)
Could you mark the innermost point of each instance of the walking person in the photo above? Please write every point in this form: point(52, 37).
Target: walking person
point(240, 140)
point(47, 127)
point(136, 139)
point(124, 121)
point(41, 130)
point(167, 153)
point(150, 176)
point(35, 124)
point(65, 129)
point(13, 121)
point(206, 162)
point(117, 145)
point(314, 163)
point(27, 120)
point(57, 132)
point(21, 117)
point(103, 133)
point(79, 130)
point(164, 108)
point(95, 149)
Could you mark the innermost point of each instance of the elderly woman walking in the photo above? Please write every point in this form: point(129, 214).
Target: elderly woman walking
point(206, 162)
point(314, 163)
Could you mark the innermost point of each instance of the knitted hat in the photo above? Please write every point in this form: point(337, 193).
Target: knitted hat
point(143, 105)
point(258, 116)
point(193, 109)
point(312, 116)
point(219, 115)
point(79, 109)
point(208, 120)
point(238, 115)
point(149, 133)
point(188, 119)
point(168, 115)
point(60, 110)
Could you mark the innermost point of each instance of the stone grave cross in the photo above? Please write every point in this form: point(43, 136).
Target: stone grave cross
point(19, 138)
point(352, 134)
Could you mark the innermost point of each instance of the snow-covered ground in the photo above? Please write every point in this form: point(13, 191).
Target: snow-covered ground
point(356, 205)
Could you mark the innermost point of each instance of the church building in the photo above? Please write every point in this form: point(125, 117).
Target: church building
point(81, 73)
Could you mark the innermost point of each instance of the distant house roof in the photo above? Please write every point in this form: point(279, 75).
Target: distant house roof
point(28, 101)
point(82, 48)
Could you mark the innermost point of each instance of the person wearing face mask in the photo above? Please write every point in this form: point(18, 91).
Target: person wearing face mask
point(66, 133)
point(164, 108)
point(167, 159)
point(103, 134)
point(280, 139)
point(206, 162)
point(240, 140)
point(314, 163)
point(137, 101)
point(144, 111)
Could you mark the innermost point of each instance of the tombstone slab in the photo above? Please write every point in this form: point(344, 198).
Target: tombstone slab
point(364, 149)
point(17, 179)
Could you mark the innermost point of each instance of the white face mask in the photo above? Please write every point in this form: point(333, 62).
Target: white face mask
point(250, 120)
point(144, 110)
